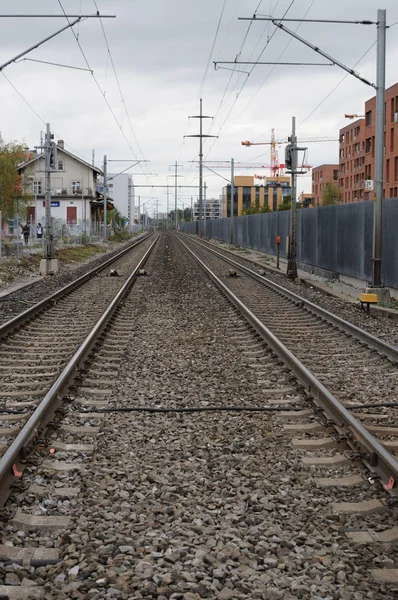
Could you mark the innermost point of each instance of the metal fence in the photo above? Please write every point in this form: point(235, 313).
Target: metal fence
point(65, 234)
point(337, 238)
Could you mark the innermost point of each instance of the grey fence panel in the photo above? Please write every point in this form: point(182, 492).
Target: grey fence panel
point(325, 234)
point(352, 224)
point(335, 238)
point(390, 243)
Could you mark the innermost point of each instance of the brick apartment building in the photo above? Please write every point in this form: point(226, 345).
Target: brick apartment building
point(357, 153)
point(322, 175)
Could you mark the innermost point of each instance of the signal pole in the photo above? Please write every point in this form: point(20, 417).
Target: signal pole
point(49, 265)
point(291, 153)
point(201, 135)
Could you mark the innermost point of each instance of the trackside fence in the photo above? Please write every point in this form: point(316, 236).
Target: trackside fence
point(337, 238)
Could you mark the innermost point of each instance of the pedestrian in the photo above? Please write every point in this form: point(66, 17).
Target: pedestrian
point(26, 232)
point(39, 231)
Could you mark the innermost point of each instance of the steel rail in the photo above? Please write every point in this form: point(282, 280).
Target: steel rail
point(52, 400)
point(367, 338)
point(9, 326)
point(381, 461)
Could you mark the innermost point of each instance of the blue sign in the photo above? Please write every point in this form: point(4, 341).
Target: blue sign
point(55, 203)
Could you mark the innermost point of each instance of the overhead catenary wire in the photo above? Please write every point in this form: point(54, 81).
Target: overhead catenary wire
point(250, 72)
point(232, 74)
point(206, 69)
point(99, 87)
point(39, 117)
point(336, 86)
point(118, 84)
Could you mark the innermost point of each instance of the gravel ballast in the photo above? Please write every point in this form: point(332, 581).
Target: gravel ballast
point(187, 506)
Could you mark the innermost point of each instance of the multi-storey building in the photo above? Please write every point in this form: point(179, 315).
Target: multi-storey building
point(352, 161)
point(357, 151)
point(212, 209)
point(390, 142)
point(327, 173)
point(74, 195)
point(247, 194)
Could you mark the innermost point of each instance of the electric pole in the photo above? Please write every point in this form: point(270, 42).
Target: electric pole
point(105, 198)
point(175, 167)
point(204, 207)
point(231, 232)
point(49, 229)
point(129, 204)
point(167, 220)
point(379, 149)
point(201, 135)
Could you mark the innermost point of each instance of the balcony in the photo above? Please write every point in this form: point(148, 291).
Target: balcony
point(61, 192)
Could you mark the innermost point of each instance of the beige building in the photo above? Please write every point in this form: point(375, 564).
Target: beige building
point(74, 196)
point(246, 194)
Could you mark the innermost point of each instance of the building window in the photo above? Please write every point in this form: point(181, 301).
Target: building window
point(368, 145)
point(60, 165)
point(368, 117)
point(37, 187)
point(392, 140)
point(335, 175)
point(76, 187)
point(396, 168)
point(387, 170)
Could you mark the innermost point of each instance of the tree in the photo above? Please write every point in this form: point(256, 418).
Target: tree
point(116, 219)
point(255, 210)
point(331, 194)
point(12, 198)
point(286, 204)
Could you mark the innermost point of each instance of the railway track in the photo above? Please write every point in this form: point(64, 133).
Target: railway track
point(38, 344)
point(186, 464)
point(340, 365)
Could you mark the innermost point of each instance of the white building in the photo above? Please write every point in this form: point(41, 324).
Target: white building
point(74, 195)
point(212, 209)
point(119, 192)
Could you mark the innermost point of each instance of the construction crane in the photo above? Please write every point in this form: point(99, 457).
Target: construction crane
point(226, 164)
point(286, 141)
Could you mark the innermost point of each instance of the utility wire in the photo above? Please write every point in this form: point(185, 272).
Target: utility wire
point(118, 82)
point(211, 51)
point(98, 85)
point(274, 66)
point(250, 72)
point(207, 67)
point(39, 117)
point(23, 99)
point(336, 86)
point(231, 76)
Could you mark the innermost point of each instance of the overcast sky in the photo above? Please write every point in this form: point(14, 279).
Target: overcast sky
point(160, 50)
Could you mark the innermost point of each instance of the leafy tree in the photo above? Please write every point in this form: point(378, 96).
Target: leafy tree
point(255, 210)
point(286, 204)
point(331, 195)
point(115, 218)
point(12, 198)
point(187, 214)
